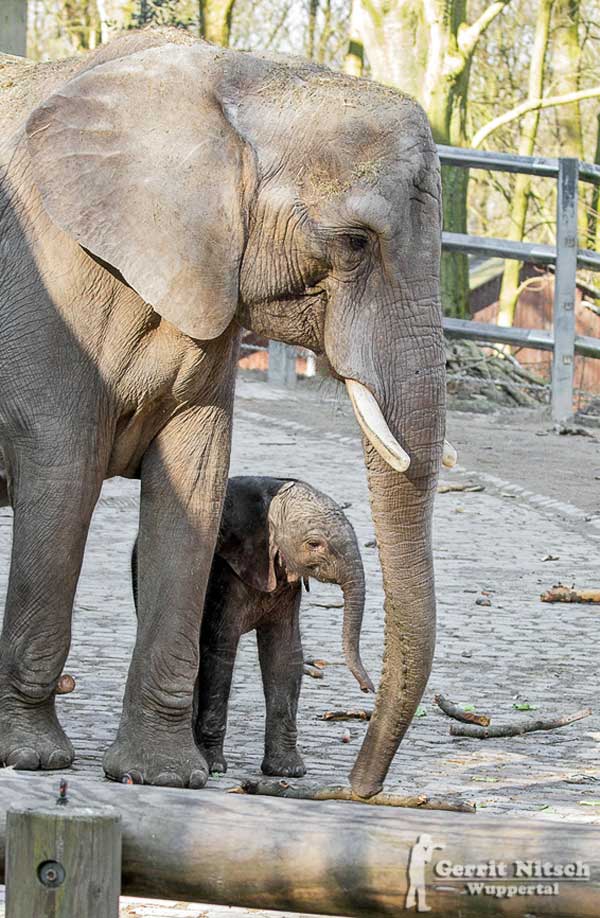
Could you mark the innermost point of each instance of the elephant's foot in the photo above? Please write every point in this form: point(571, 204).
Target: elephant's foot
point(285, 762)
point(217, 763)
point(147, 756)
point(31, 738)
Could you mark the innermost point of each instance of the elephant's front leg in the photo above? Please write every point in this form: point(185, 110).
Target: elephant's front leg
point(184, 474)
point(54, 487)
point(281, 663)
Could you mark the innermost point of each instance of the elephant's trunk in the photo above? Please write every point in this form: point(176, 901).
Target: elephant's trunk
point(402, 505)
point(353, 588)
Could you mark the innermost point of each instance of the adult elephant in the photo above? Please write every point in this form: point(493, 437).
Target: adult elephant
point(156, 199)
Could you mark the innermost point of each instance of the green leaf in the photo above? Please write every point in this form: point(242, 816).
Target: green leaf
point(420, 712)
point(467, 707)
point(485, 778)
point(524, 706)
point(589, 803)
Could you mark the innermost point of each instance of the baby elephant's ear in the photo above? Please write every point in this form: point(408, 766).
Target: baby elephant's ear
point(137, 161)
point(252, 558)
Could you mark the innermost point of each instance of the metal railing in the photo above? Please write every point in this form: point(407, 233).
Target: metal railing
point(565, 255)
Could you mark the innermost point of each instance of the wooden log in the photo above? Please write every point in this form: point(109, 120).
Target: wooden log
point(325, 858)
point(63, 861)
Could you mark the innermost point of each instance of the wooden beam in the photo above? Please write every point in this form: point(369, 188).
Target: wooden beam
point(63, 861)
point(331, 858)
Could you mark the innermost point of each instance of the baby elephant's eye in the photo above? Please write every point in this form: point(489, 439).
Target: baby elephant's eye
point(314, 543)
point(357, 242)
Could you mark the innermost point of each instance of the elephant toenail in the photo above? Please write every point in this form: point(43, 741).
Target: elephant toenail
point(198, 778)
point(132, 777)
point(58, 759)
point(25, 759)
point(168, 779)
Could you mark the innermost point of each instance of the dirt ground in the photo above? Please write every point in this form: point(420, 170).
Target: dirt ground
point(541, 497)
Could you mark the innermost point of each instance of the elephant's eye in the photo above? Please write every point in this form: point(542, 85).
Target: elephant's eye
point(314, 544)
point(357, 242)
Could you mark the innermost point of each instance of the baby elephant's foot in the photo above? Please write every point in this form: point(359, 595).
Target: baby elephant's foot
point(216, 761)
point(285, 762)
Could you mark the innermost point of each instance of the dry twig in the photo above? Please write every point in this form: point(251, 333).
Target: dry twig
point(358, 714)
point(516, 729)
point(562, 593)
point(467, 717)
point(341, 792)
point(446, 488)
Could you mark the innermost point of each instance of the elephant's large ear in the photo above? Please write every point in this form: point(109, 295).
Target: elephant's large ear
point(137, 161)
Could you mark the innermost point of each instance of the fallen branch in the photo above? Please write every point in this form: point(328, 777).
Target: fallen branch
point(456, 486)
point(562, 593)
point(341, 792)
point(358, 714)
point(516, 729)
point(467, 717)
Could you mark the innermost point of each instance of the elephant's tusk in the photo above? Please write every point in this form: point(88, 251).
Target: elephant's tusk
point(449, 456)
point(374, 426)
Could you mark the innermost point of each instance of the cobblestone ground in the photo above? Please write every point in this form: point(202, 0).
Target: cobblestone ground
point(516, 650)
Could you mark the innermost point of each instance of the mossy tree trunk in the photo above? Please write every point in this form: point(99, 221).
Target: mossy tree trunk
point(425, 47)
point(215, 20)
point(509, 290)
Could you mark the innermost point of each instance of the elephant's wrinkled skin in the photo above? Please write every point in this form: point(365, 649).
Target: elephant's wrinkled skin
point(274, 533)
point(150, 205)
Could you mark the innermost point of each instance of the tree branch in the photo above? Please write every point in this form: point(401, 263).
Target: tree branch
point(468, 36)
point(530, 106)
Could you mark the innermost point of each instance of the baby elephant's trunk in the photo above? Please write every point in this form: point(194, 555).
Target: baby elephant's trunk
point(353, 588)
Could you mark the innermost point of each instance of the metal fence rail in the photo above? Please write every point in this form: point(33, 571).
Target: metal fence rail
point(566, 256)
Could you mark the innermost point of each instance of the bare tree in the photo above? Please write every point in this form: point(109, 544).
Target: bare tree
point(426, 47)
point(509, 290)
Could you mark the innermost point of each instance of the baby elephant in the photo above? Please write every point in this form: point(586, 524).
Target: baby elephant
point(274, 534)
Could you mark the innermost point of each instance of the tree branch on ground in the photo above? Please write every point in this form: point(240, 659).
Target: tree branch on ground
point(517, 729)
point(340, 792)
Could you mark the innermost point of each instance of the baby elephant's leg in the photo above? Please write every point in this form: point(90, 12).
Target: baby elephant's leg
point(217, 657)
point(280, 653)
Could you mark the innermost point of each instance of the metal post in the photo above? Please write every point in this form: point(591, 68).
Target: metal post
point(282, 364)
point(13, 27)
point(565, 290)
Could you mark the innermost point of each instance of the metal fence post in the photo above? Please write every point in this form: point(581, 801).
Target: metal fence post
point(282, 364)
point(565, 290)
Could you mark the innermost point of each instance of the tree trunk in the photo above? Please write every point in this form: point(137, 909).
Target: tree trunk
point(313, 8)
point(510, 277)
point(115, 16)
point(354, 62)
point(593, 226)
point(425, 48)
point(215, 20)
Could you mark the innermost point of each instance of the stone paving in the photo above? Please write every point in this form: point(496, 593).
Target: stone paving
point(516, 650)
